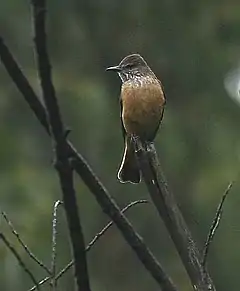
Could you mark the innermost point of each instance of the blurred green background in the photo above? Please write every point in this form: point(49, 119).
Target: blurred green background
point(192, 46)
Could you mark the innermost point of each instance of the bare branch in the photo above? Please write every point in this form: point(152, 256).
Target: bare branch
point(63, 165)
point(168, 210)
point(99, 234)
point(26, 248)
point(215, 224)
point(54, 243)
point(19, 259)
point(92, 242)
point(82, 168)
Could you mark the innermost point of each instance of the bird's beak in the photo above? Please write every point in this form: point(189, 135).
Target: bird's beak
point(114, 69)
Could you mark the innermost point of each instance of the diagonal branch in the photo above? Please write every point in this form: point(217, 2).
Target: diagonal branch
point(22, 243)
point(215, 225)
point(168, 210)
point(82, 168)
point(19, 259)
point(90, 245)
point(63, 165)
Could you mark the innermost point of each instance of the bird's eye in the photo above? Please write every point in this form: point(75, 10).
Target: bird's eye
point(129, 66)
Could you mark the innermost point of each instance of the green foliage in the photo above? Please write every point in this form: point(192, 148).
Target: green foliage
point(191, 46)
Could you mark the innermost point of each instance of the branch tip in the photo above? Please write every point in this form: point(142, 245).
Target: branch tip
point(215, 224)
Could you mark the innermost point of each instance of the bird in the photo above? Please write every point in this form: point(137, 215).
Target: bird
point(142, 103)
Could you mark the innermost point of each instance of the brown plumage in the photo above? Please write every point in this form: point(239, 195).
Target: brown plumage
point(142, 105)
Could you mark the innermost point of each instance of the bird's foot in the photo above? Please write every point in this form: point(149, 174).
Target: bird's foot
point(150, 146)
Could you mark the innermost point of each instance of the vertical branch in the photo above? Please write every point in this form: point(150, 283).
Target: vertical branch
point(54, 243)
point(63, 165)
point(91, 244)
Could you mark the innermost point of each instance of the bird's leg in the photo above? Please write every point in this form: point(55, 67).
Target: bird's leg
point(135, 140)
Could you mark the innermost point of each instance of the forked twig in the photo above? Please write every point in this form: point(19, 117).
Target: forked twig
point(26, 248)
point(215, 225)
point(19, 259)
point(99, 234)
point(89, 246)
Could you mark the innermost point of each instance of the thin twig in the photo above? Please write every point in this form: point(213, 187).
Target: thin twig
point(86, 173)
point(54, 243)
point(171, 215)
point(26, 248)
point(19, 259)
point(91, 243)
point(99, 234)
point(46, 279)
point(215, 225)
point(63, 165)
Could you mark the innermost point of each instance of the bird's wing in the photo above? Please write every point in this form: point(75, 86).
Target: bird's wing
point(160, 120)
point(121, 109)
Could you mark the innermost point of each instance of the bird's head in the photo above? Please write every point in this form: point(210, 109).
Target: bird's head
point(130, 67)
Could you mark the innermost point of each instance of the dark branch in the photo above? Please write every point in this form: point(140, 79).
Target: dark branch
point(90, 245)
point(168, 210)
point(63, 165)
point(26, 248)
point(22, 84)
point(19, 259)
point(215, 225)
point(99, 235)
point(80, 165)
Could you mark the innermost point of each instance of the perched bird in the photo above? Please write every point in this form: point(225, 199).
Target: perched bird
point(142, 105)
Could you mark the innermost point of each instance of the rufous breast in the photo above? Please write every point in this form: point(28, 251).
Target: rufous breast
point(142, 106)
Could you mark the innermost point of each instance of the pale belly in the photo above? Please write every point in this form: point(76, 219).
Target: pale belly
point(142, 109)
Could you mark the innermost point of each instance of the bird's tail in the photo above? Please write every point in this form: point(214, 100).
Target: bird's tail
point(129, 170)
